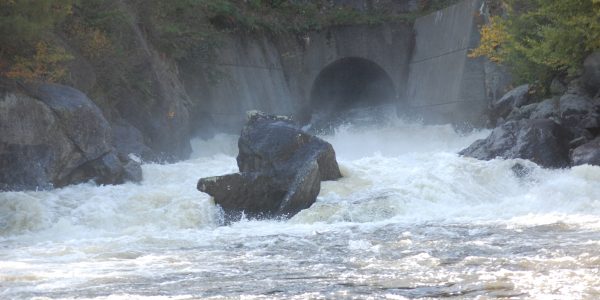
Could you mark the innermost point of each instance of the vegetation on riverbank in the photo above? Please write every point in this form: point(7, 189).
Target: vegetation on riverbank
point(539, 40)
point(25, 49)
point(37, 37)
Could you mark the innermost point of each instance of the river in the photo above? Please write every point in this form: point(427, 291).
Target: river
point(410, 219)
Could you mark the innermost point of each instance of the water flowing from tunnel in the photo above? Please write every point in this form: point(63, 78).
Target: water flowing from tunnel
point(409, 219)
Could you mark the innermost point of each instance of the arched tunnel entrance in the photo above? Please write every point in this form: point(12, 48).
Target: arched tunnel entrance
point(348, 85)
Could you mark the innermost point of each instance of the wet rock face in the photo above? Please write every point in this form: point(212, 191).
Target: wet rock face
point(272, 143)
point(51, 136)
point(591, 73)
point(281, 169)
point(588, 153)
point(227, 191)
point(542, 141)
point(81, 120)
point(129, 140)
point(558, 132)
point(109, 168)
point(513, 99)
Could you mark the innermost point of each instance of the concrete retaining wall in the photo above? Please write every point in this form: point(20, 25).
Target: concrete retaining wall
point(246, 75)
point(276, 74)
point(427, 62)
point(444, 85)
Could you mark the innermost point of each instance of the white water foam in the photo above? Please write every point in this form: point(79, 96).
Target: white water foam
point(401, 173)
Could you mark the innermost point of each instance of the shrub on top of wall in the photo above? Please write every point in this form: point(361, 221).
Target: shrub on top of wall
point(539, 40)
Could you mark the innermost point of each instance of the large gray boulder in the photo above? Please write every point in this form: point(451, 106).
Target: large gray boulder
point(542, 141)
point(515, 98)
point(50, 134)
point(588, 153)
point(575, 105)
point(129, 140)
point(281, 169)
point(547, 109)
point(579, 111)
point(591, 72)
point(523, 112)
point(109, 168)
point(272, 143)
point(81, 120)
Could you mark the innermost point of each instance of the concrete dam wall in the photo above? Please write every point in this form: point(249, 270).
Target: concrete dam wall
point(444, 84)
point(423, 68)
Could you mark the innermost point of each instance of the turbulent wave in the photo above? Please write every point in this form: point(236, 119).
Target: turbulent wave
point(398, 173)
point(411, 173)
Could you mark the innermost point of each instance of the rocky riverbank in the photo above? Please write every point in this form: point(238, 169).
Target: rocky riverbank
point(557, 132)
point(54, 135)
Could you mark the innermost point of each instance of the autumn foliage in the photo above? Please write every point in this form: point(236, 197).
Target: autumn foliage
point(541, 39)
point(45, 65)
point(26, 49)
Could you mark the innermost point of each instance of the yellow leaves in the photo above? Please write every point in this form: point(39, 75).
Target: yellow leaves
point(540, 39)
point(45, 65)
point(95, 43)
point(92, 42)
point(493, 36)
point(64, 9)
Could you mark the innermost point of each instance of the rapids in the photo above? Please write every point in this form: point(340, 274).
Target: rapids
point(410, 219)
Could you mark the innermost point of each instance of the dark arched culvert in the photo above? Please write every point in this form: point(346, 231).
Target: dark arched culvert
point(350, 83)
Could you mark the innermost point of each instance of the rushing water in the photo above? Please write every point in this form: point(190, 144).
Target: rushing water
point(410, 219)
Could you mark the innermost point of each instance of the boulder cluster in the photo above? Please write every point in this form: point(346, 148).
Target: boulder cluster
point(281, 169)
point(54, 135)
point(558, 132)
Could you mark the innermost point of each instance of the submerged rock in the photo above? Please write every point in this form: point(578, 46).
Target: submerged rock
point(107, 169)
point(281, 169)
point(542, 141)
point(52, 136)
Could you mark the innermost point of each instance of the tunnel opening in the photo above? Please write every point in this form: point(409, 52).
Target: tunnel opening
point(347, 86)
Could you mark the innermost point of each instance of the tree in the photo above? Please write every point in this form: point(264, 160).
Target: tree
point(45, 65)
point(24, 22)
point(541, 39)
point(25, 49)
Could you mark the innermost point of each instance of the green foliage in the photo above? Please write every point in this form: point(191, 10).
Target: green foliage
point(99, 29)
point(23, 23)
point(541, 39)
point(179, 28)
point(190, 30)
point(26, 52)
point(347, 16)
point(182, 28)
